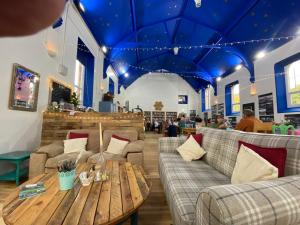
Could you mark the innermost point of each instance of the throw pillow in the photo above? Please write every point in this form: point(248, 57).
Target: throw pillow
point(275, 156)
point(251, 167)
point(120, 138)
point(75, 145)
point(191, 150)
point(73, 135)
point(198, 138)
point(116, 146)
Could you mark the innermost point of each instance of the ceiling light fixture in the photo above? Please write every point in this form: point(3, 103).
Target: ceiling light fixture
point(260, 55)
point(198, 3)
point(81, 7)
point(238, 67)
point(176, 50)
point(126, 74)
point(104, 49)
point(219, 79)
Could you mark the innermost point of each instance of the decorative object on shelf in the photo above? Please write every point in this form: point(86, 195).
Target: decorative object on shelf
point(66, 174)
point(266, 107)
point(158, 106)
point(74, 100)
point(24, 89)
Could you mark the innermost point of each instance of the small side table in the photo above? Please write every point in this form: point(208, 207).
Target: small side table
point(16, 158)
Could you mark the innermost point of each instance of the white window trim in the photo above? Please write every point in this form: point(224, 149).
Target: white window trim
point(207, 94)
point(232, 98)
point(287, 83)
point(79, 86)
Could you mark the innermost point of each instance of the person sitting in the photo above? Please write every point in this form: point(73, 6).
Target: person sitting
point(247, 122)
point(220, 122)
point(198, 121)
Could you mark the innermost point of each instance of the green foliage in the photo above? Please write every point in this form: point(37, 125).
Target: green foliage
point(74, 99)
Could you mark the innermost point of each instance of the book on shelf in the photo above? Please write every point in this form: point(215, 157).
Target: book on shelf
point(31, 190)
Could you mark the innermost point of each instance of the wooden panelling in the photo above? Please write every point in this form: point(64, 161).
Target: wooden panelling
point(56, 125)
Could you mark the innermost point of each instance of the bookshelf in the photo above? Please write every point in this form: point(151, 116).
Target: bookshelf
point(159, 116)
point(171, 116)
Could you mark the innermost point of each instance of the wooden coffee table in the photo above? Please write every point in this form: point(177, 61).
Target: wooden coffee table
point(102, 203)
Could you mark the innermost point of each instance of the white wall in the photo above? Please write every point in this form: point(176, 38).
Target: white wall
point(265, 78)
point(150, 88)
point(22, 130)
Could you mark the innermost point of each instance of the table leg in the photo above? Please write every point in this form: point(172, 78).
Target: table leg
point(17, 173)
point(135, 218)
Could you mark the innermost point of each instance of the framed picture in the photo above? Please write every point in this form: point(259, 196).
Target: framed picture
point(24, 89)
point(182, 99)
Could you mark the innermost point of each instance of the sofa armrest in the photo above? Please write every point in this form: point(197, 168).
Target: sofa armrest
point(267, 202)
point(170, 144)
point(133, 147)
point(52, 150)
point(37, 164)
point(136, 158)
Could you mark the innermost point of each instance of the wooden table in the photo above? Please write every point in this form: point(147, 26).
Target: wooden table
point(16, 158)
point(102, 203)
point(188, 131)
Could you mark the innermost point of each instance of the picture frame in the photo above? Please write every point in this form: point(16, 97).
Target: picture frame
point(24, 89)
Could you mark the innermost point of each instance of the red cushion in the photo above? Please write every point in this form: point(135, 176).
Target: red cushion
point(78, 135)
point(120, 138)
point(198, 138)
point(275, 156)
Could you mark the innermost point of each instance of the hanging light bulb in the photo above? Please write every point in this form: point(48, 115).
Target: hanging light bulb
point(253, 90)
point(176, 50)
point(198, 3)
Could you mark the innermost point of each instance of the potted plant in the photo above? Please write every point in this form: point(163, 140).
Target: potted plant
point(66, 174)
point(74, 100)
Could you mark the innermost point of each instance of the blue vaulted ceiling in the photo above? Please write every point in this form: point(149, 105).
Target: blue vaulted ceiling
point(158, 23)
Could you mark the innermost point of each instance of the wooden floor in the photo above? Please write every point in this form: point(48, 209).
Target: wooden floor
point(155, 211)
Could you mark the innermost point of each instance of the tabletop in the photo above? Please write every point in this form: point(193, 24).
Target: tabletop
point(17, 155)
point(101, 203)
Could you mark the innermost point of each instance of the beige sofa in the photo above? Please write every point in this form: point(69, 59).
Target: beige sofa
point(46, 158)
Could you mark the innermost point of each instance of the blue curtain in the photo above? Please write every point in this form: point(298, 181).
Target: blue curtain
point(111, 86)
point(88, 60)
point(228, 101)
point(203, 99)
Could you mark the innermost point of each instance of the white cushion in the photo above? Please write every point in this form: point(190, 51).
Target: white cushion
point(191, 150)
point(116, 146)
point(252, 167)
point(75, 145)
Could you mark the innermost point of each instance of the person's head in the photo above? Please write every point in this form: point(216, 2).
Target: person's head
point(220, 119)
point(198, 119)
point(248, 113)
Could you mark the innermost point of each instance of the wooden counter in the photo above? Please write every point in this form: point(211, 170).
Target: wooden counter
point(57, 124)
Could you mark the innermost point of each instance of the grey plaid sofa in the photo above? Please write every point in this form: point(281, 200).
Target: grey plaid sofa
point(200, 193)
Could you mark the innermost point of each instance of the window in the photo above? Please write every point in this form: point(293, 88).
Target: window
point(293, 84)
point(208, 98)
point(235, 98)
point(79, 80)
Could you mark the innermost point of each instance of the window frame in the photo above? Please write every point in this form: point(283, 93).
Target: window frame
point(233, 97)
point(290, 92)
point(79, 80)
point(207, 97)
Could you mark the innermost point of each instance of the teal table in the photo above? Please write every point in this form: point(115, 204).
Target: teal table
point(16, 158)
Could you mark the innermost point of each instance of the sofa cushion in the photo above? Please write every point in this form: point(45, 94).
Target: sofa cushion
point(52, 150)
point(133, 147)
point(78, 135)
point(229, 146)
point(251, 167)
point(53, 162)
point(275, 156)
point(211, 144)
point(191, 150)
point(291, 143)
point(120, 138)
point(107, 156)
point(93, 140)
point(132, 135)
point(183, 182)
point(75, 145)
point(116, 146)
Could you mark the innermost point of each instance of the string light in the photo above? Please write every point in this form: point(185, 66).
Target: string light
point(238, 67)
point(260, 55)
